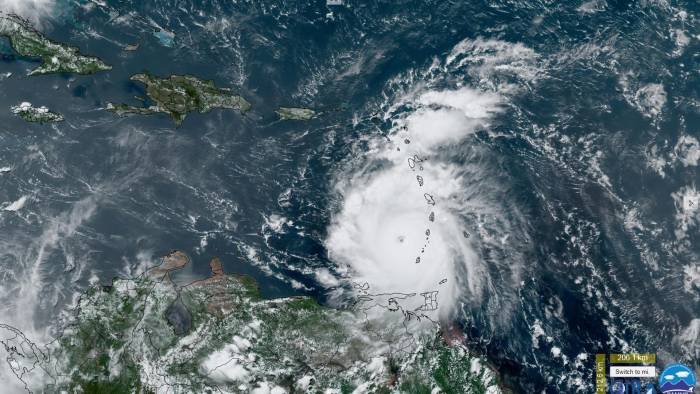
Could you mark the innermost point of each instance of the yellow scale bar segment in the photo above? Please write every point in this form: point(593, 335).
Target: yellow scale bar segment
point(633, 358)
point(600, 381)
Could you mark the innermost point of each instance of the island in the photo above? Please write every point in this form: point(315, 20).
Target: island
point(179, 95)
point(30, 113)
point(147, 334)
point(55, 57)
point(291, 113)
point(132, 47)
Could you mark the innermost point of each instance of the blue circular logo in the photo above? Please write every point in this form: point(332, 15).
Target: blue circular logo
point(677, 379)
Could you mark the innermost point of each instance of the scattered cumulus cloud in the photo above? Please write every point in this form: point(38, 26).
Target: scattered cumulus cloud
point(687, 151)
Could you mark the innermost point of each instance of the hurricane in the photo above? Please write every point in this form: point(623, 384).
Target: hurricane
point(422, 206)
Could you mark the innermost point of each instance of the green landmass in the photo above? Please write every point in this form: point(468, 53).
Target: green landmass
point(179, 95)
point(36, 114)
point(290, 113)
point(147, 335)
point(55, 57)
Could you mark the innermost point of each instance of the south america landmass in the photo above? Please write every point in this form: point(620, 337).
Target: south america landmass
point(149, 335)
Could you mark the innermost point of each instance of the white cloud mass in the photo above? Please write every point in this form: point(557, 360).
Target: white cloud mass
point(34, 10)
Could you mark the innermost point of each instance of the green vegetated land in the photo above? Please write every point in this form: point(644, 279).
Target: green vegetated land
point(291, 113)
point(33, 114)
point(146, 335)
point(55, 57)
point(179, 95)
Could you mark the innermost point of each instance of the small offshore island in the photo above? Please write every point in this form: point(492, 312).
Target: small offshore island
point(30, 113)
point(179, 95)
point(148, 335)
point(55, 57)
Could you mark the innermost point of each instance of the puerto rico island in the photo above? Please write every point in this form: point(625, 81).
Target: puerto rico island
point(55, 57)
point(30, 113)
point(148, 335)
point(179, 95)
point(290, 113)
